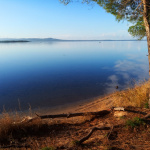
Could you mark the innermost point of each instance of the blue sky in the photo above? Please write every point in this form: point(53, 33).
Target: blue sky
point(50, 18)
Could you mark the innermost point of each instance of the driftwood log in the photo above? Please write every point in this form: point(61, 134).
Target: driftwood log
point(98, 113)
point(135, 111)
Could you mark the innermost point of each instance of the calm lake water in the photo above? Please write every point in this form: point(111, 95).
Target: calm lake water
point(56, 73)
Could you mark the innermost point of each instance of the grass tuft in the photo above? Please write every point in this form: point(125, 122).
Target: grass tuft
point(75, 142)
point(146, 105)
point(134, 122)
point(12, 127)
point(48, 148)
point(137, 96)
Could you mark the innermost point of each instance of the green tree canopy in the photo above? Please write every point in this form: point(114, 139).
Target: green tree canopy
point(138, 30)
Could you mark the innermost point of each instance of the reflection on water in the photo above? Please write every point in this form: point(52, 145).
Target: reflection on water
point(55, 73)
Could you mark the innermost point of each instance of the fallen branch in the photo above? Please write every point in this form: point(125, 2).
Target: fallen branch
point(146, 116)
point(128, 110)
point(91, 132)
point(135, 111)
point(99, 113)
point(108, 135)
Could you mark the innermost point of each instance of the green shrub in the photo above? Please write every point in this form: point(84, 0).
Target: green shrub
point(134, 122)
point(146, 105)
point(48, 148)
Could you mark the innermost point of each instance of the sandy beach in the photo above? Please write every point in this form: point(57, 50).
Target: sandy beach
point(91, 105)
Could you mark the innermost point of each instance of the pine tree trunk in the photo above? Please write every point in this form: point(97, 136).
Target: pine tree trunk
point(146, 18)
point(148, 42)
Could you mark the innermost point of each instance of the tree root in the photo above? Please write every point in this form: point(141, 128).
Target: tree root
point(91, 132)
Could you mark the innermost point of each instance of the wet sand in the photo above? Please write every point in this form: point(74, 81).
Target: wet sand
point(91, 105)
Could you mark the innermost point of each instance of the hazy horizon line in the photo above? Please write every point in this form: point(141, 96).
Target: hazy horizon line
point(48, 38)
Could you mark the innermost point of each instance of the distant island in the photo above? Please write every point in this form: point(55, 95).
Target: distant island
point(13, 41)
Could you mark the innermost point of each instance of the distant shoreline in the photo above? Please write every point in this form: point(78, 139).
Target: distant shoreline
point(22, 40)
point(95, 40)
point(18, 41)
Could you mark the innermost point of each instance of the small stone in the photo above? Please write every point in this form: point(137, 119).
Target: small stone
point(120, 114)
